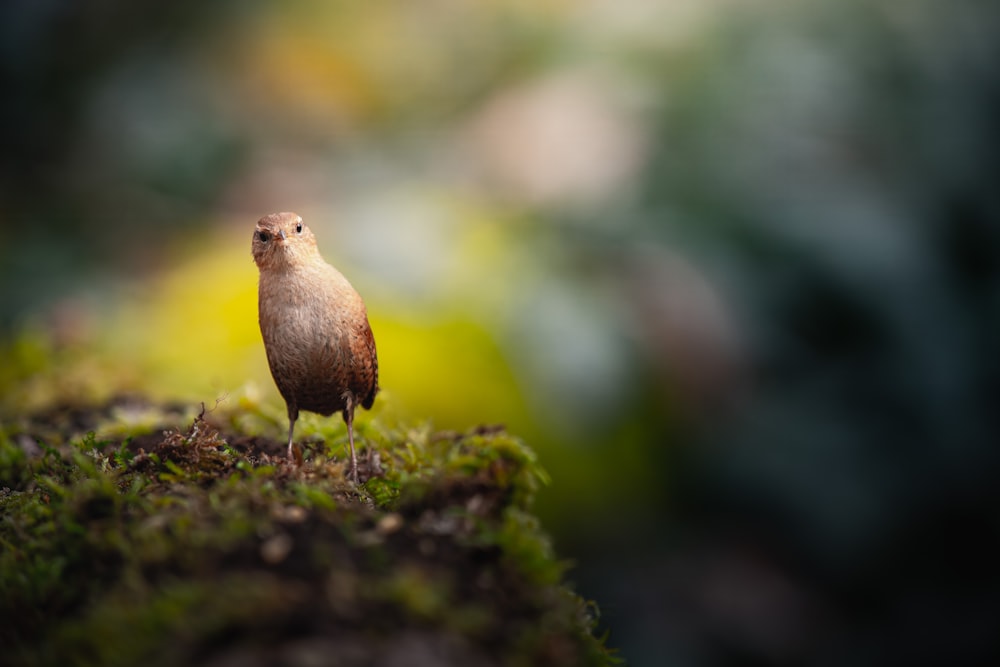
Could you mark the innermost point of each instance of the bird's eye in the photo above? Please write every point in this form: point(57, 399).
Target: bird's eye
point(263, 236)
point(298, 228)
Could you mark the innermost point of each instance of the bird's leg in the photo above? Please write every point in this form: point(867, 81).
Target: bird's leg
point(293, 454)
point(349, 418)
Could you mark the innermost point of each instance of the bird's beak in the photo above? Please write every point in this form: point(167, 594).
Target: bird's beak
point(281, 233)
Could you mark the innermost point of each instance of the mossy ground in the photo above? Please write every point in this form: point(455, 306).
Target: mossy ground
point(133, 533)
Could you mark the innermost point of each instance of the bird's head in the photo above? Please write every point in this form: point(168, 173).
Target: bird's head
point(282, 239)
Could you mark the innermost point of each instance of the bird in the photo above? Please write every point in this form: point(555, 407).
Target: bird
point(317, 338)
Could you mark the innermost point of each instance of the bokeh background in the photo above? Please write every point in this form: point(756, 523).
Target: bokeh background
point(732, 268)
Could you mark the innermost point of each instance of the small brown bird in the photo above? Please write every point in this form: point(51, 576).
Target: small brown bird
point(319, 345)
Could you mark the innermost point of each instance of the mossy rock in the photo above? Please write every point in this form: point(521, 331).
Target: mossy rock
point(200, 544)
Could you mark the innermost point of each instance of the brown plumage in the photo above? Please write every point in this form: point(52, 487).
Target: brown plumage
point(318, 341)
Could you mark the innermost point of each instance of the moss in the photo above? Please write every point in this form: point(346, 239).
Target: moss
point(200, 545)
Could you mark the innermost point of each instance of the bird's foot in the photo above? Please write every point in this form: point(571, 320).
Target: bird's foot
point(295, 454)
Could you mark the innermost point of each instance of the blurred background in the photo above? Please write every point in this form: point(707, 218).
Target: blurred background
point(732, 268)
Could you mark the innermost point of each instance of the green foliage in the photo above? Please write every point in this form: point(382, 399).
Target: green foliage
point(203, 544)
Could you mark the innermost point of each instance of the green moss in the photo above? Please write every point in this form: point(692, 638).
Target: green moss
point(168, 546)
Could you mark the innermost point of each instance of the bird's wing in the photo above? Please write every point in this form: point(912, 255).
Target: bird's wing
point(368, 368)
